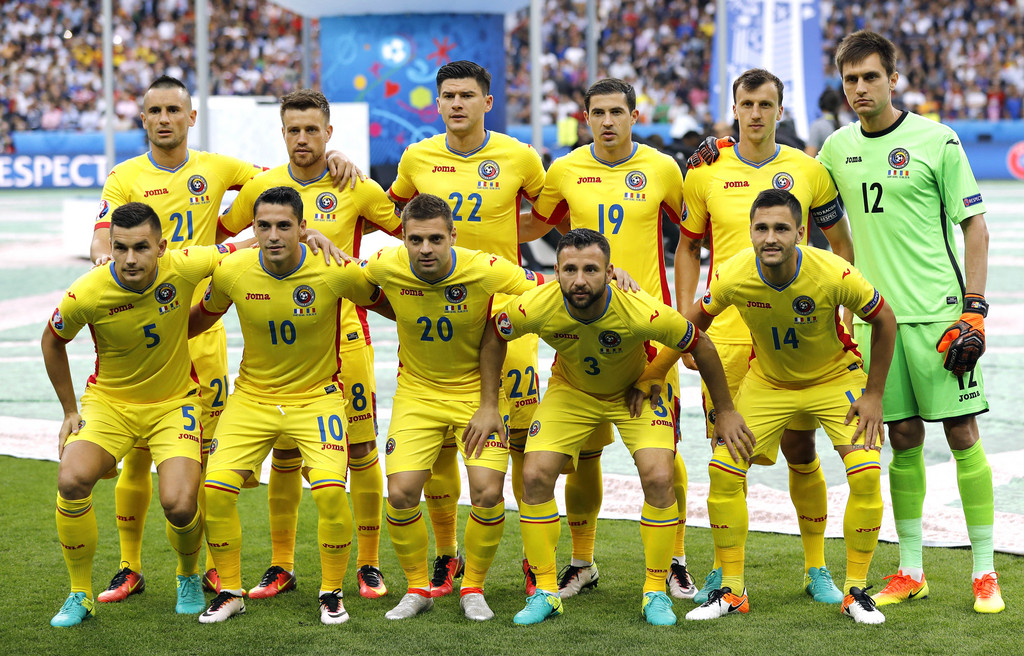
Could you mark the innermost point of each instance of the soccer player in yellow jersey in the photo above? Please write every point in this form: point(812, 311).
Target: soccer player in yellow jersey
point(442, 297)
point(288, 304)
point(185, 188)
point(341, 216)
point(601, 336)
point(143, 387)
point(805, 365)
point(484, 176)
point(717, 203)
point(620, 189)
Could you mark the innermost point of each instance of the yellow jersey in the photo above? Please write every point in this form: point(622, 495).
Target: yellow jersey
point(799, 338)
point(141, 337)
point(623, 201)
point(440, 323)
point(717, 202)
point(605, 356)
point(290, 323)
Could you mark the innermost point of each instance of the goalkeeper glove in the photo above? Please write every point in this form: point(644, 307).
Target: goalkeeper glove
point(709, 151)
point(964, 341)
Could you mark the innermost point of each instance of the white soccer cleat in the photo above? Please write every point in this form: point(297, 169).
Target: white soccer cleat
point(680, 583)
point(474, 606)
point(721, 603)
point(411, 605)
point(332, 610)
point(224, 606)
point(861, 607)
point(573, 580)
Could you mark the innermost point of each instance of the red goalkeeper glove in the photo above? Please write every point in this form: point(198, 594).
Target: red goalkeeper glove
point(964, 341)
point(709, 151)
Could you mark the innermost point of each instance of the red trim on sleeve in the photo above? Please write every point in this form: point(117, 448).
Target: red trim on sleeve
point(100, 225)
point(672, 214)
point(396, 197)
point(691, 235)
point(559, 213)
point(59, 338)
point(878, 308)
point(702, 309)
point(540, 278)
point(231, 248)
point(220, 227)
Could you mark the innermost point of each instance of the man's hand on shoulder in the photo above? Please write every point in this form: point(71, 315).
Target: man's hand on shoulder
point(709, 151)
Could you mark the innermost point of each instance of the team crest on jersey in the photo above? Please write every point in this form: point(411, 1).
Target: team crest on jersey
point(899, 158)
point(389, 448)
point(488, 170)
point(711, 416)
point(104, 209)
point(213, 446)
point(609, 339)
point(783, 181)
point(327, 202)
point(803, 305)
point(303, 296)
point(165, 293)
point(57, 319)
point(197, 185)
point(504, 324)
point(455, 293)
point(636, 180)
point(534, 428)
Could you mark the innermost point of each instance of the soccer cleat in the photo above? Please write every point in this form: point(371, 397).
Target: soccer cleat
point(77, 607)
point(657, 609)
point(818, 583)
point(901, 587)
point(720, 603)
point(680, 583)
point(539, 607)
point(474, 606)
point(332, 611)
point(223, 606)
point(987, 597)
point(411, 605)
point(446, 570)
point(861, 607)
point(573, 580)
point(275, 579)
point(712, 581)
point(531, 578)
point(211, 581)
point(371, 582)
point(125, 583)
point(190, 596)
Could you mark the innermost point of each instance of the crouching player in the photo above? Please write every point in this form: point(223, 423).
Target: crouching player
point(600, 334)
point(805, 366)
point(289, 385)
point(143, 387)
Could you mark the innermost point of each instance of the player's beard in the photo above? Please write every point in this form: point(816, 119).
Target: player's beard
point(591, 298)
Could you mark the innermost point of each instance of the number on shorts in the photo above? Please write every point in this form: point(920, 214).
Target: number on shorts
point(220, 385)
point(358, 397)
point(333, 426)
point(186, 413)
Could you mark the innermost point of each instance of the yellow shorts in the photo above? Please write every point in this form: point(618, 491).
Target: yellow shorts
point(249, 429)
point(172, 427)
point(736, 361)
point(567, 417)
point(419, 426)
point(520, 381)
point(769, 410)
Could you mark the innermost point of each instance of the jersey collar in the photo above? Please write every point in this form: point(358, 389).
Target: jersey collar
point(607, 302)
point(188, 154)
point(614, 164)
point(277, 277)
point(441, 279)
point(487, 137)
point(306, 183)
point(113, 273)
point(779, 288)
point(882, 133)
point(756, 165)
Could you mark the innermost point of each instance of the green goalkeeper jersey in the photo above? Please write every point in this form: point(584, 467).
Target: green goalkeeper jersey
point(904, 188)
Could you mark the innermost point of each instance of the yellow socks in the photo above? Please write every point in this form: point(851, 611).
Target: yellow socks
point(187, 541)
point(223, 528)
point(541, 526)
point(76, 530)
point(727, 512)
point(483, 533)
point(409, 537)
point(367, 488)
point(807, 489)
point(132, 494)
point(584, 492)
point(680, 481)
point(442, 492)
point(334, 526)
point(283, 495)
point(657, 531)
point(863, 514)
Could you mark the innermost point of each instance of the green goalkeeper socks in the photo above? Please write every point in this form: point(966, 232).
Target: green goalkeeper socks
point(974, 478)
point(907, 488)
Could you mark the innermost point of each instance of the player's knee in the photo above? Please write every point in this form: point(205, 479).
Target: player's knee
point(487, 497)
point(798, 447)
point(361, 450)
point(538, 485)
point(961, 433)
point(401, 497)
point(725, 484)
point(181, 510)
point(72, 484)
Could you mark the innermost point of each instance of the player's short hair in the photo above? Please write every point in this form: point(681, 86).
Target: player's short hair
point(857, 47)
point(581, 238)
point(303, 99)
point(609, 86)
point(754, 78)
point(280, 196)
point(168, 82)
point(462, 69)
point(134, 214)
point(428, 206)
point(778, 198)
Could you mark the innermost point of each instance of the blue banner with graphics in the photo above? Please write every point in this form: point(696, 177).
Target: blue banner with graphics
point(391, 62)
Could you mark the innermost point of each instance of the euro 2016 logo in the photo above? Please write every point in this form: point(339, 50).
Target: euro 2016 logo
point(326, 202)
point(303, 296)
point(783, 181)
point(197, 185)
point(104, 208)
point(455, 293)
point(57, 319)
point(899, 158)
point(504, 324)
point(803, 305)
point(488, 170)
point(636, 180)
point(165, 293)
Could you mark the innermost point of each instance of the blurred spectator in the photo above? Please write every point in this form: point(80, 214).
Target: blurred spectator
point(829, 103)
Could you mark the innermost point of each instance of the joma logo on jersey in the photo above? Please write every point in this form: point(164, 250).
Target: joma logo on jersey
point(589, 179)
point(443, 169)
point(120, 308)
point(735, 184)
point(525, 402)
point(661, 422)
point(409, 292)
point(154, 192)
point(257, 297)
point(565, 336)
point(853, 159)
point(188, 436)
point(327, 446)
point(759, 304)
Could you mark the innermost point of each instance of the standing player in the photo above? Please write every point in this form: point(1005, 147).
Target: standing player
point(185, 188)
point(289, 384)
point(484, 175)
point(142, 388)
point(907, 182)
point(717, 201)
point(600, 334)
point(619, 189)
point(804, 363)
point(341, 216)
point(442, 298)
